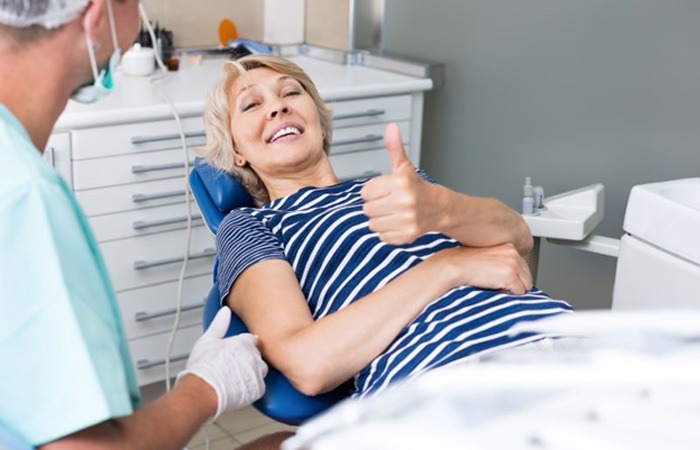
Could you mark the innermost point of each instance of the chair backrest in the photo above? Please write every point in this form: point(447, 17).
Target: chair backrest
point(217, 193)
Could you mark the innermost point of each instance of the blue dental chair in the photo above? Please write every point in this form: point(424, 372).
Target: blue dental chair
point(217, 193)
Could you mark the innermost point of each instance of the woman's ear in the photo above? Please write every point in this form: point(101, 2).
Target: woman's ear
point(238, 160)
point(93, 17)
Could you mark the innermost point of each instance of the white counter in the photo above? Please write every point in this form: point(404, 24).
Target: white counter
point(135, 99)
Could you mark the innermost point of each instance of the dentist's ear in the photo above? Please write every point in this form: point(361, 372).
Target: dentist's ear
point(93, 18)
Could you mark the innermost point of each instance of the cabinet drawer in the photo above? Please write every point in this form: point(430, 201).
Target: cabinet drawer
point(365, 137)
point(148, 354)
point(126, 169)
point(362, 164)
point(145, 221)
point(132, 196)
point(157, 258)
point(99, 142)
point(370, 110)
point(151, 310)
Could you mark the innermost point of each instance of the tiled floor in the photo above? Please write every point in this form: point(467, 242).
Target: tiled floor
point(236, 428)
point(230, 430)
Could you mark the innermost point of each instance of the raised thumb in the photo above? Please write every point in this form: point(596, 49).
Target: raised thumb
point(219, 326)
point(394, 145)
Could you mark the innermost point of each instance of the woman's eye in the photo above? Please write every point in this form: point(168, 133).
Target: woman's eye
point(291, 93)
point(247, 106)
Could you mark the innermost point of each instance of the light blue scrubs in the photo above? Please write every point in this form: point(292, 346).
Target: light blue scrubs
point(64, 360)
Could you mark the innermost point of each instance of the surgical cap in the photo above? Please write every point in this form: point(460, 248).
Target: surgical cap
point(47, 13)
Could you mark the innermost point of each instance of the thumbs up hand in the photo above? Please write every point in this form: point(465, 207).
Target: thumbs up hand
point(398, 205)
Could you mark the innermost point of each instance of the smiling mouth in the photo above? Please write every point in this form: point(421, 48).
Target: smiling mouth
point(286, 131)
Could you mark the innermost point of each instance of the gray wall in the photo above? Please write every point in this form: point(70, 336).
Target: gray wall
point(570, 92)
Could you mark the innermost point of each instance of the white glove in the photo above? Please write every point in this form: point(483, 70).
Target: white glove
point(232, 366)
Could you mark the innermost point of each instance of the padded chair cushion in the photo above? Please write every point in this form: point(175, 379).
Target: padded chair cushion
point(217, 192)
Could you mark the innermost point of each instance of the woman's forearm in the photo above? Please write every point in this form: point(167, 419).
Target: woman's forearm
point(319, 355)
point(480, 222)
point(402, 206)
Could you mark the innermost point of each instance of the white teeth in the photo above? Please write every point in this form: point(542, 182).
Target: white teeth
point(284, 132)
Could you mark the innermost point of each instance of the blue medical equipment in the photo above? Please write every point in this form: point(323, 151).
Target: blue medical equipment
point(217, 192)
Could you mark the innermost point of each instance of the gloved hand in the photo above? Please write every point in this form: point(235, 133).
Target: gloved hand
point(232, 366)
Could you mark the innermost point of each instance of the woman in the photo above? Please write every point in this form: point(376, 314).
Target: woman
point(374, 279)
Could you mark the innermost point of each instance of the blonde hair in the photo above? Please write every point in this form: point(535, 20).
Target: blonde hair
point(219, 149)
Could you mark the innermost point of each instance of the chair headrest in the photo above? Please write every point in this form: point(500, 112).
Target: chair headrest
point(217, 192)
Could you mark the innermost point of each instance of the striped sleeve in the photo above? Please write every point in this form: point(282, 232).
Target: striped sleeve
point(425, 176)
point(242, 241)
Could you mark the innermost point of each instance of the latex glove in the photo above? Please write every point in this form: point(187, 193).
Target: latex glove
point(232, 366)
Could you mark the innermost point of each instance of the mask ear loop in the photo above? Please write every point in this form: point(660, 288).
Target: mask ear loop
point(112, 26)
point(90, 48)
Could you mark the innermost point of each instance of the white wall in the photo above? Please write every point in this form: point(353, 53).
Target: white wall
point(570, 92)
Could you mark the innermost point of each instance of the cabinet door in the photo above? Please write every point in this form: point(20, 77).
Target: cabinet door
point(130, 197)
point(152, 310)
point(149, 353)
point(121, 225)
point(365, 137)
point(348, 113)
point(134, 138)
point(128, 169)
point(157, 258)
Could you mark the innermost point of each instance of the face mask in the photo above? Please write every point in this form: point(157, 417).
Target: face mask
point(104, 83)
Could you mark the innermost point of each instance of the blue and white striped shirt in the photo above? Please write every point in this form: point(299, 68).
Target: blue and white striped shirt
point(324, 235)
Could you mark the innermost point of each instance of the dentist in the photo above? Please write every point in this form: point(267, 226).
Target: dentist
point(66, 379)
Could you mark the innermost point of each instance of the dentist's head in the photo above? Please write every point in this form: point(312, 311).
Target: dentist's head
point(58, 49)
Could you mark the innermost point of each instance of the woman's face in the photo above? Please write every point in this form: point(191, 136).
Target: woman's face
point(274, 123)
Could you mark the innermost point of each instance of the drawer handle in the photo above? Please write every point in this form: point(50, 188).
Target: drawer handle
point(368, 138)
point(143, 315)
point(136, 198)
point(368, 174)
point(368, 113)
point(140, 224)
point(140, 265)
point(136, 140)
point(50, 156)
point(143, 364)
point(156, 167)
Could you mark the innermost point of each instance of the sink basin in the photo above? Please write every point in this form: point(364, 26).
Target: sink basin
point(667, 215)
point(571, 215)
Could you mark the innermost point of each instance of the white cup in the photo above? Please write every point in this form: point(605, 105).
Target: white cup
point(138, 61)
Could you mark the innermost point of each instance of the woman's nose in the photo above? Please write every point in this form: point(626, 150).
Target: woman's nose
point(278, 108)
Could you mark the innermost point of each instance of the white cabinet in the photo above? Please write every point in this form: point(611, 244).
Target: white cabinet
point(130, 181)
point(128, 175)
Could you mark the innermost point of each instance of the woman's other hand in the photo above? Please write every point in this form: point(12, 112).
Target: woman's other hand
point(400, 206)
point(500, 268)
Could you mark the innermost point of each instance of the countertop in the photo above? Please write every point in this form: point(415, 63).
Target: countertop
point(134, 98)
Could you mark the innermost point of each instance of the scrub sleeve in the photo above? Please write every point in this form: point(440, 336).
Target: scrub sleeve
point(64, 356)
